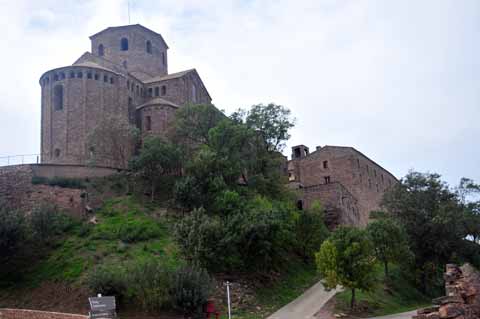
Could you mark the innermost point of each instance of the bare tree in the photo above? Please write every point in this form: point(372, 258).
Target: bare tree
point(112, 142)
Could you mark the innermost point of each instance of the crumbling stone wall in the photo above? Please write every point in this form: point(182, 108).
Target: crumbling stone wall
point(462, 300)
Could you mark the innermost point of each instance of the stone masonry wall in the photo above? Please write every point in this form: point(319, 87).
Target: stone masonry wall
point(34, 314)
point(363, 178)
point(340, 206)
point(18, 192)
point(462, 286)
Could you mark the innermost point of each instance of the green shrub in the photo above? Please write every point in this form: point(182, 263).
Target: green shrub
point(190, 289)
point(127, 229)
point(310, 231)
point(108, 280)
point(256, 239)
point(64, 182)
point(138, 230)
point(149, 284)
point(46, 221)
point(201, 238)
point(12, 231)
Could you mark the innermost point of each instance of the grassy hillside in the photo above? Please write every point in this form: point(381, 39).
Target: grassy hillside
point(388, 297)
point(125, 231)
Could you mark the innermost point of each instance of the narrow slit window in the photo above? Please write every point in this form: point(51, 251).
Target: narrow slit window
point(58, 98)
point(101, 50)
point(124, 44)
point(149, 47)
point(148, 123)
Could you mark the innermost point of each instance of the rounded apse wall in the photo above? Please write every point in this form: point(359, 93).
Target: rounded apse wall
point(74, 101)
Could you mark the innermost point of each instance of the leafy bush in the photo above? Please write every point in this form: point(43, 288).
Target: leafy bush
point(149, 284)
point(256, 238)
point(190, 289)
point(310, 231)
point(200, 238)
point(12, 231)
point(108, 280)
point(46, 221)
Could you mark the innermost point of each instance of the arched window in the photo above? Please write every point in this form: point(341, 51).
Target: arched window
point(149, 47)
point(58, 97)
point(72, 74)
point(89, 75)
point(57, 152)
point(157, 91)
point(62, 76)
point(164, 90)
point(101, 50)
point(124, 44)
point(79, 75)
point(55, 77)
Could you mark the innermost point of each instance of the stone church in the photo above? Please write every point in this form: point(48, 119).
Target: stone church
point(126, 75)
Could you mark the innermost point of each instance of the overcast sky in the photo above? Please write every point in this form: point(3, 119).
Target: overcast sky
point(398, 80)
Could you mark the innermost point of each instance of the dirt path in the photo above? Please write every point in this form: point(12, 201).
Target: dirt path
point(404, 315)
point(305, 306)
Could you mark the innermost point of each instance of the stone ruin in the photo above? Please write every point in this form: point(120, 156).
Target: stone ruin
point(462, 300)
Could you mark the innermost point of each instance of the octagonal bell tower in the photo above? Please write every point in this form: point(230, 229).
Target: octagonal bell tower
point(141, 51)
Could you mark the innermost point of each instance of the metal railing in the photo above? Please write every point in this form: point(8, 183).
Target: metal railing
point(20, 159)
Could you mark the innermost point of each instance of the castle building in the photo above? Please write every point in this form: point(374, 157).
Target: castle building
point(125, 75)
point(347, 183)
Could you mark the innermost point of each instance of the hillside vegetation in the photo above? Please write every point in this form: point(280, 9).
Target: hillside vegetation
point(210, 203)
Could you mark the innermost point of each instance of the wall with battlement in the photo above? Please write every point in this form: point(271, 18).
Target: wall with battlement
point(35, 314)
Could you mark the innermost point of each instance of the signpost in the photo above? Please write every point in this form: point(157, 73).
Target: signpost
point(102, 307)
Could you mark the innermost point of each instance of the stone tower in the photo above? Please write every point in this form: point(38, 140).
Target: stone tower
point(126, 75)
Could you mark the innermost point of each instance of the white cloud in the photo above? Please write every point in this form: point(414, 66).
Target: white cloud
point(399, 80)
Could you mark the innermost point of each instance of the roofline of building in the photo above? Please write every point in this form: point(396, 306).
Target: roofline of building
point(80, 66)
point(153, 103)
point(355, 150)
point(131, 25)
point(179, 76)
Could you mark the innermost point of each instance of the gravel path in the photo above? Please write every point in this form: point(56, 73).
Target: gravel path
point(305, 306)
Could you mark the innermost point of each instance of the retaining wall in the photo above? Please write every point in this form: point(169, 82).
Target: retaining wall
point(35, 314)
